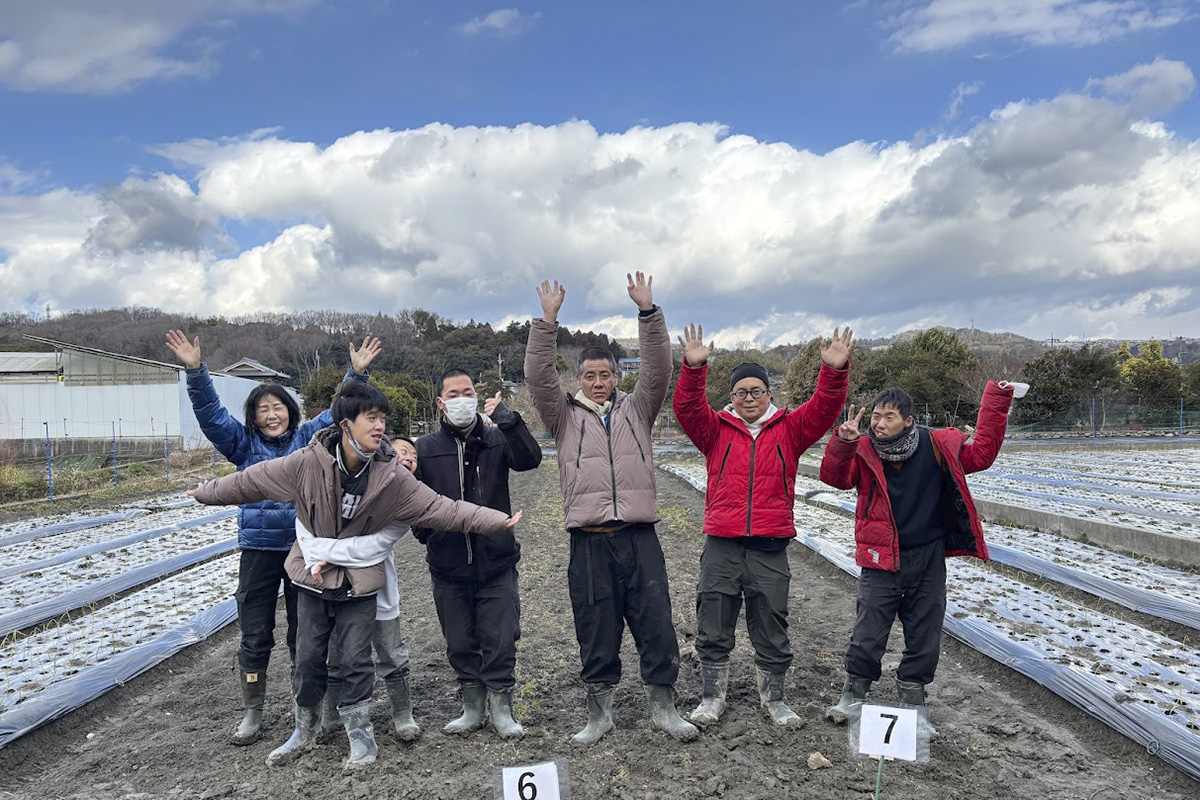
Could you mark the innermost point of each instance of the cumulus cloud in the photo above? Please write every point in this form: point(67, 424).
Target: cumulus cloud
point(100, 48)
point(1071, 215)
point(936, 25)
point(501, 21)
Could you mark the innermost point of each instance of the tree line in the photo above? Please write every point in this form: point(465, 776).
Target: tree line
point(944, 370)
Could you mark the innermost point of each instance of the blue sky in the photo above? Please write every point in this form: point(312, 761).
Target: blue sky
point(780, 167)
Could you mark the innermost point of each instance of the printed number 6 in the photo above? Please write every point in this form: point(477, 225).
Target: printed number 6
point(887, 737)
point(527, 791)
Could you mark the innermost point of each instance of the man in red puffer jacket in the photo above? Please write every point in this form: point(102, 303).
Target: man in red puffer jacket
point(752, 449)
point(914, 510)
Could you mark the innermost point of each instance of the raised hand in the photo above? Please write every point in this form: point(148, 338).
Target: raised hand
point(552, 299)
point(361, 357)
point(187, 352)
point(489, 405)
point(837, 353)
point(641, 291)
point(848, 430)
point(695, 352)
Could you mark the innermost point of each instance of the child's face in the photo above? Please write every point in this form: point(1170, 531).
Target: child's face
point(407, 455)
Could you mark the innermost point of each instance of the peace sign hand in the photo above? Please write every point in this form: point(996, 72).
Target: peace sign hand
point(848, 430)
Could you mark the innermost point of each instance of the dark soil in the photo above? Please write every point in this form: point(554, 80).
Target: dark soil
point(165, 735)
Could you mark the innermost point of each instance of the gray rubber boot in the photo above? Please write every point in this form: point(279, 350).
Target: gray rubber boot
point(474, 715)
point(664, 716)
point(302, 739)
point(715, 683)
point(854, 691)
point(363, 750)
point(770, 697)
point(254, 694)
point(913, 694)
point(331, 723)
point(403, 723)
point(499, 705)
point(600, 721)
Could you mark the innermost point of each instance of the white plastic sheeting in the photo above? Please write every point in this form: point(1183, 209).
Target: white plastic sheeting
point(1144, 685)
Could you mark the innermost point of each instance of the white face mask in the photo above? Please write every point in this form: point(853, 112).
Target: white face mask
point(460, 411)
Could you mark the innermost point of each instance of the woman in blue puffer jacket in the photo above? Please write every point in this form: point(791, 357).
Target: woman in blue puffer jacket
point(266, 530)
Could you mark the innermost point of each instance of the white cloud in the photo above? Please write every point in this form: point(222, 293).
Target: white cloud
point(502, 21)
point(935, 25)
point(961, 93)
point(1060, 216)
point(100, 48)
point(1150, 88)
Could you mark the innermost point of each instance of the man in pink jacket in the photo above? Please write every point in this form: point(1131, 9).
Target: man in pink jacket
point(914, 509)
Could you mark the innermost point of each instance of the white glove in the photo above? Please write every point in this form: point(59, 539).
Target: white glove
point(1019, 389)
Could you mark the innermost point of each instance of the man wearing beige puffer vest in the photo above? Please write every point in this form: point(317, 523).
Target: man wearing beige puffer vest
point(617, 573)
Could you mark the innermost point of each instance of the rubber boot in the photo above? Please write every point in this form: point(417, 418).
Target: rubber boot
point(854, 690)
point(600, 721)
point(254, 694)
point(664, 716)
point(913, 694)
point(363, 750)
point(770, 697)
point(474, 697)
point(402, 717)
point(331, 723)
point(499, 705)
point(715, 682)
point(302, 739)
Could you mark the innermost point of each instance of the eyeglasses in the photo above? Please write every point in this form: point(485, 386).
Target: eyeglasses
point(755, 393)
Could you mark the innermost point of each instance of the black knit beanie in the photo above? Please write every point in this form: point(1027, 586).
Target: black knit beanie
point(748, 369)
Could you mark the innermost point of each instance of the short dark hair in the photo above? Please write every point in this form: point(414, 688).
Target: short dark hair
point(356, 398)
point(899, 398)
point(411, 443)
point(594, 353)
point(275, 390)
point(453, 372)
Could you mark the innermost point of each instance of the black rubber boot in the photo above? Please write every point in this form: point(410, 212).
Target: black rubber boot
point(403, 723)
point(715, 683)
point(499, 705)
point(854, 690)
point(302, 739)
point(665, 717)
point(474, 715)
point(254, 694)
point(600, 721)
point(770, 696)
point(913, 694)
point(363, 750)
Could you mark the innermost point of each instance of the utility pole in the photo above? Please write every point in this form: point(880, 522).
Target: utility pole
point(500, 365)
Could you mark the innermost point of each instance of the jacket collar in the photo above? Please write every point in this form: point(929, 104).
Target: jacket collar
point(726, 415)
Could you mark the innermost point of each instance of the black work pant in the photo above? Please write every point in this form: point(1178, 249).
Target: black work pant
point(481, 623)
point(619, 578)
point(729, 572)
point(259, 574)
point(917, 594)
point(391, 656)
point(347, 626)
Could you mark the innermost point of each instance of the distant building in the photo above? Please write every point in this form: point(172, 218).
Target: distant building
point(83, 393)
point(249, 368)
point(629, 366)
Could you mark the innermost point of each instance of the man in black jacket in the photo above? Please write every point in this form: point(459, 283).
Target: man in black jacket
point(475, 577)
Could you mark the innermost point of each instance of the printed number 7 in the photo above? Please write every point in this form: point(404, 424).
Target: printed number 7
point(887, 737)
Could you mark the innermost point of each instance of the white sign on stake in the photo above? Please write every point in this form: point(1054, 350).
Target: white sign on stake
point(533, 782)
point(888, 731)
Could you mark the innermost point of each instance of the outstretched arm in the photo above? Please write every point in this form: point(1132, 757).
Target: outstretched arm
point(654, 378)
point(541, 355)
point(227, 434)
point(690, 404)
point(275, 479)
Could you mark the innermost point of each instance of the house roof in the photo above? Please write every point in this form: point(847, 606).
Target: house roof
point(26, 363)
point(249, 365)
point(98, 352)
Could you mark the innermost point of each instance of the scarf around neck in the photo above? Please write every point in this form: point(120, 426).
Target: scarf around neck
point(588, 402)
point(898, 447)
